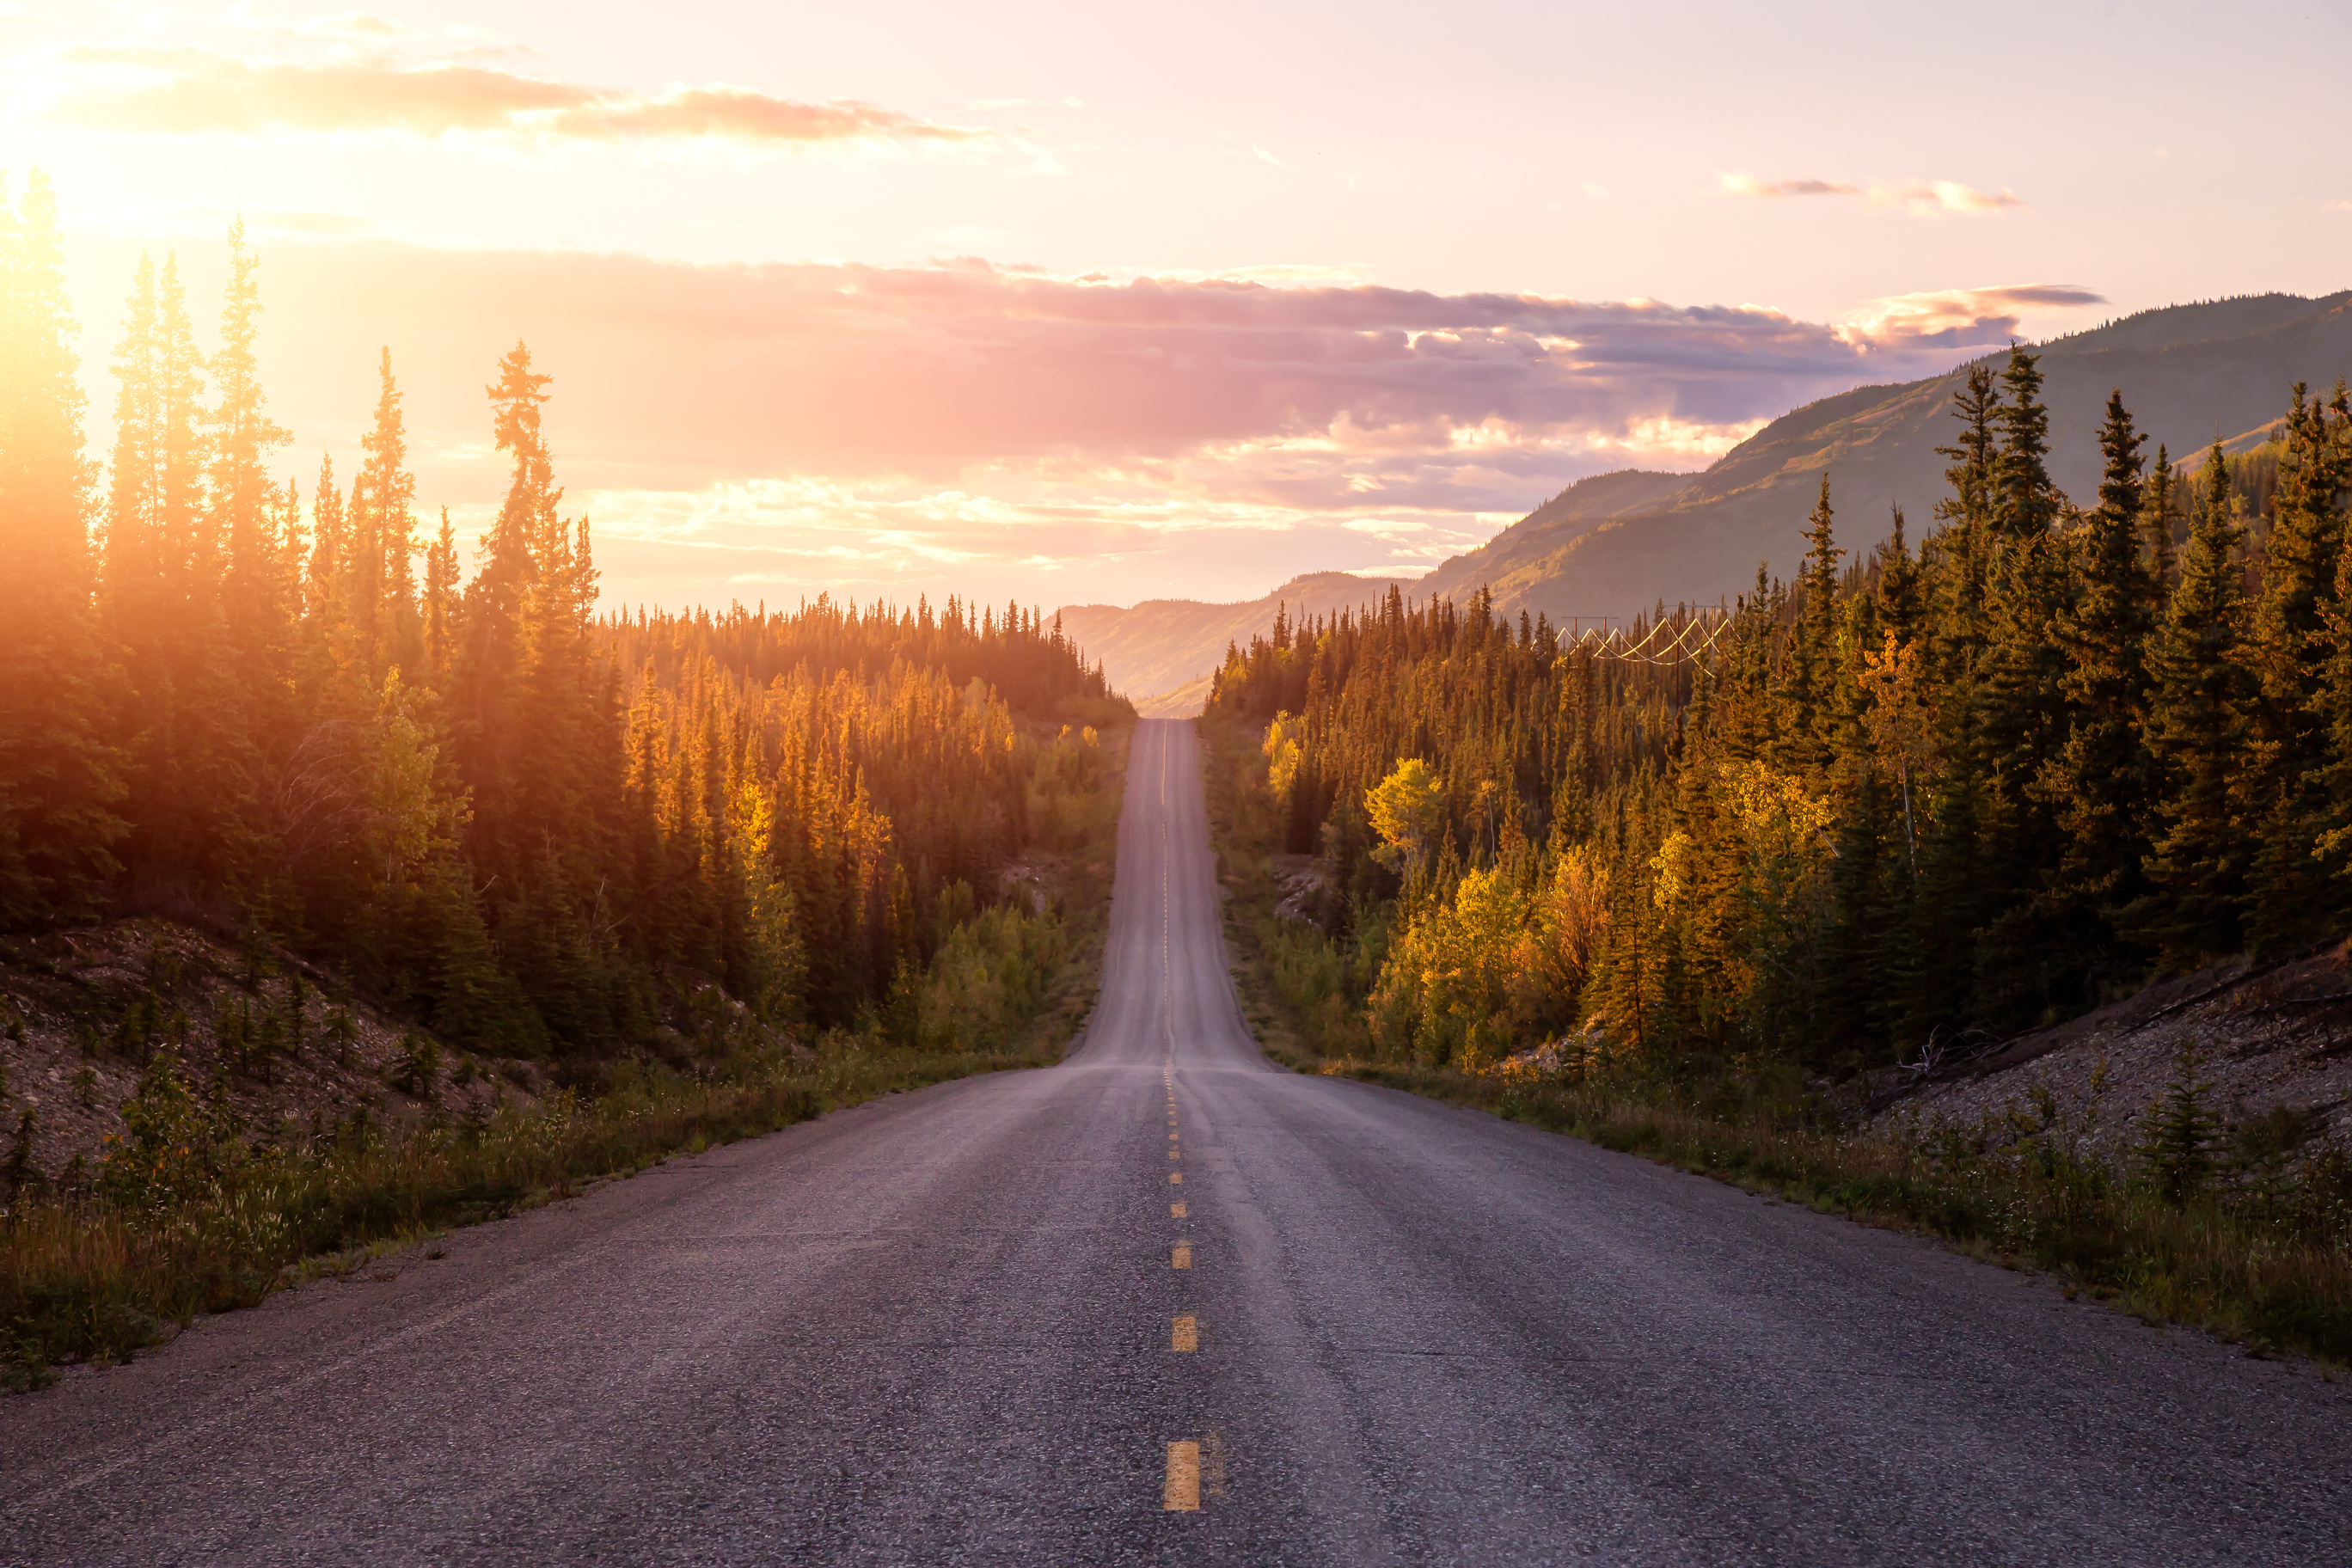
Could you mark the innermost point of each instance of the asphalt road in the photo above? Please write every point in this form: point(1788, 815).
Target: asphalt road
point(942, 1329)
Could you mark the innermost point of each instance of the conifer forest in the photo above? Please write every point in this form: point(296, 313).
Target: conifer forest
point(1994, 772)
point(305, 715)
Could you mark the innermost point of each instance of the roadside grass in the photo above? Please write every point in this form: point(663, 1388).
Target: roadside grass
point(2246, 1247)
point(102, 1277)
point(191, 1215)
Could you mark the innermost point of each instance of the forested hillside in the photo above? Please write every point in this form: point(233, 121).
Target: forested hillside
point(1975, 785)
point(1618, 544)
point(1795, 897)
point(306, 718)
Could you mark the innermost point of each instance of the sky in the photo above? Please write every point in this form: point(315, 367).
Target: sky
point(1085, 303)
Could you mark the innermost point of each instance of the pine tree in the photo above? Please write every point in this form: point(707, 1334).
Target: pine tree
point(2025, 954)
point(60, 779)
point(2198, 727)
point(439, 630)
point(243, 501)
point(191, 774)
point(2287, 651)
point(335, 676)
point(1901, 596)
point(2105, 782)
point(1812, 659)
point(386, 491)
point(2023, 502)
point(1977, 405)
point(2161, 508)
point(487, 707)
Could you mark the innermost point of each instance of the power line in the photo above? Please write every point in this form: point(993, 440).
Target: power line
point(1686, 637)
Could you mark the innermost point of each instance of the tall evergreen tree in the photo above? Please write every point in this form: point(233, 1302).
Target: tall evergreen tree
point(191, 776)
point(1977, 405)
point(2199, 728)
point(244, 500)
point(2105, 782)
point(2288, 650)
point(386, 490)
point(1812, 659)
point(60, 779)
point(2023, 502)
point(438, 630)
point(487, 710)
point(2161, 508)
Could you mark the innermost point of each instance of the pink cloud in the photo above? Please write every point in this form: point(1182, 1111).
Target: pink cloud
point(1962, 318)
point(1748, 186)
point(179, 92)
point(1339, 400)
point(1921, 196)
point(811, 423)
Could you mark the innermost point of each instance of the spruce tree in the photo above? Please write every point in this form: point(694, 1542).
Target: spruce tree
point(2199, 726)
point(190, 783)
point(335, 674)
point(439, 606)
point(2105, 782)
point(2331, 838)
point(59, 778)
point(244, 500)
point(1901, 595)
point(390, 497)
point(2287, 651)
point(2161, 508)
point(2023, 502)
point(2026, 956)
point(1811, 683)
point(1977, 405)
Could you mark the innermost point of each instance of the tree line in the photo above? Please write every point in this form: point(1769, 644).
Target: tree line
point(2057, 749)
point(498, 812)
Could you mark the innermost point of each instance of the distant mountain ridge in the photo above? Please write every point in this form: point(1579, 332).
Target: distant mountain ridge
point(1618, 544)
point(1615, 544)
point(1160, 645)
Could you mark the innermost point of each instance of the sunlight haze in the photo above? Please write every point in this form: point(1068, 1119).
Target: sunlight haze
point(1080, 303)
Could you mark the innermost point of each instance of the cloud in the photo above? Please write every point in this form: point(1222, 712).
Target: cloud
point(1960, 317)
point(1948, 196)
point(841, 425)
point(1344, 395)
point(1748, 186)
point(1922, 197)
point(183, 91)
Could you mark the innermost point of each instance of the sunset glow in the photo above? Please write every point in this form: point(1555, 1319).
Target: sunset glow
point(1059, 292)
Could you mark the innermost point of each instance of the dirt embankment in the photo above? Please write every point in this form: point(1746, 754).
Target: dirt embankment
point(2269, 1037)
point(85, 1013)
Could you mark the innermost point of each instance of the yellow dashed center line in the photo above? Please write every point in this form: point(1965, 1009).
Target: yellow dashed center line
point(1181, 1256)
point(1182, 1493)
point(1175, 1178)
point(1176, 1211)
point(1185, 1335)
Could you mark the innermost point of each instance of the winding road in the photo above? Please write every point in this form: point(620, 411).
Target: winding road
point(1166, 1303)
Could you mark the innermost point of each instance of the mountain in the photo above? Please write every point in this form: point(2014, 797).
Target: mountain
point(1618, 544)
point(1614, 545)
point(1160, 645)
